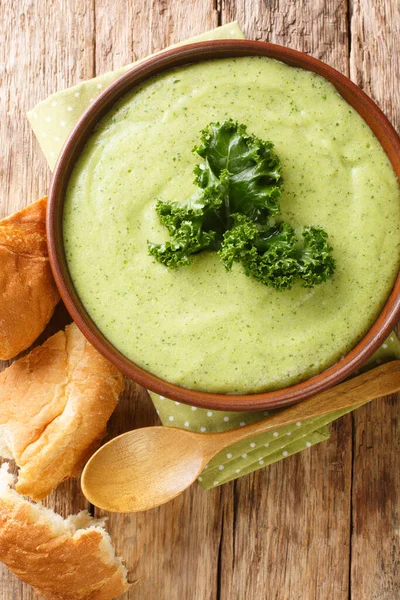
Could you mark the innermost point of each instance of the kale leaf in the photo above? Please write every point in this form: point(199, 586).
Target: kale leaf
point(266, 252)
point(250, 165)
point(273, 255)
point(316, 264)
point(239, 188)
point(189, 225)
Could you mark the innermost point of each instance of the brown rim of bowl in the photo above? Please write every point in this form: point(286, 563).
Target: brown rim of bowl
point(151, 67)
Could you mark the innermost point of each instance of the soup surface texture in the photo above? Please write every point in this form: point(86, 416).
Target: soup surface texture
point(201, 326)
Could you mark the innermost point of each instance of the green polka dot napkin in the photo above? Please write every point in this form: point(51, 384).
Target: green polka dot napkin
point(52, 120)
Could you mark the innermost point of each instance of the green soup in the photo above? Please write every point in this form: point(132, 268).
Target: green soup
point(201, 326)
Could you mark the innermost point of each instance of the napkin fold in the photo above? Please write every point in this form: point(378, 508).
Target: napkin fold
point(52, 120)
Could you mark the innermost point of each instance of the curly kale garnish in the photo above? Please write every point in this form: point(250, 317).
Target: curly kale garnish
point(266, 252)
point(273, 255)
point(189, 225)
point(240, 185)
point(316, 264)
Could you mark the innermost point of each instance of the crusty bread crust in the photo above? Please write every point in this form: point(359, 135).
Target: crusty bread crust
point(59, 560)
point(54, 406)
point(28, 293)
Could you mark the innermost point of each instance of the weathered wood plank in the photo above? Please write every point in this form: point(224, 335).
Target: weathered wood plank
point(173, 549)
point(42, 49)
point(375, 570)
point(374, 58)
point(319, 27)
point(287, 536)
point(141, 28)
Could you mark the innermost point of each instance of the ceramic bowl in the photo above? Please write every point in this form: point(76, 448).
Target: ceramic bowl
point(151, 67)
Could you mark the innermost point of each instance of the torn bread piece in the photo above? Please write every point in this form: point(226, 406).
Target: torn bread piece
point(54, 406)
point(71, 559)
point(28, 293)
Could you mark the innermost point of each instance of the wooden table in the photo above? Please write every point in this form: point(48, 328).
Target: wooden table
point(321, 525)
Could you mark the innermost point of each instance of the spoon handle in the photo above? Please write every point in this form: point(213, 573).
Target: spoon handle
point(381, 381)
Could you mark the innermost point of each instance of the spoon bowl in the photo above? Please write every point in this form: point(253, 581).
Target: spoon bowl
point(161, 461)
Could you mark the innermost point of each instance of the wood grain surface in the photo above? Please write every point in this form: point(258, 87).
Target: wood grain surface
point(322, 525)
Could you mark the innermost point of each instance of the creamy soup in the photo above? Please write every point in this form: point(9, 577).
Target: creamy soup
point(201, 326)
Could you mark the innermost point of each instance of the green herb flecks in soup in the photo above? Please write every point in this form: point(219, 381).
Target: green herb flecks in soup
point(203, 326)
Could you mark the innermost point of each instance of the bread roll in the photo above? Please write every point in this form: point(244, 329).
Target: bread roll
point(54, 406)
point(71, 559)
point(28, 293)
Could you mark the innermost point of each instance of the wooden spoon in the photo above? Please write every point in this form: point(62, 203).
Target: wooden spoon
point(147, 467)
